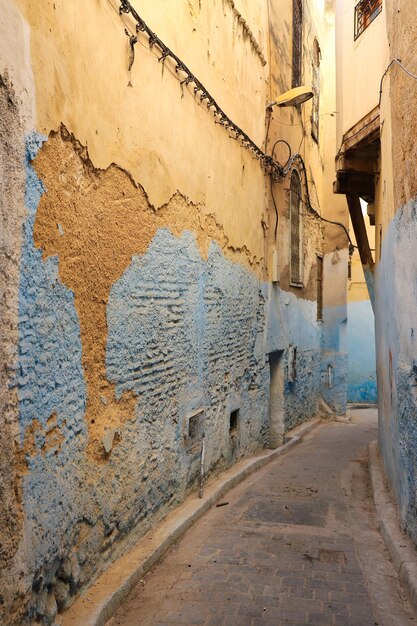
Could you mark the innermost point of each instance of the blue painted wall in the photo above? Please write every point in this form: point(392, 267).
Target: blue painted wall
point(362, 387)
point(396, 333)
point(184, 333)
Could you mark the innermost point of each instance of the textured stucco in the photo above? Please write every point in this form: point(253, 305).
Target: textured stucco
point(16, 115)
point(94, 221)
point(396, 295)
point(138, 293)
point(183, 334)
point(361, 349)
point(11, 216)
point(293, 322)
point(400, 105)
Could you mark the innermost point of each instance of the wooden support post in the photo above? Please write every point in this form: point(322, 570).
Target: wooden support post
point(358, 223)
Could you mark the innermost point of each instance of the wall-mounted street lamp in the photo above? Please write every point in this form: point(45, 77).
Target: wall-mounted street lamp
point(292, 98)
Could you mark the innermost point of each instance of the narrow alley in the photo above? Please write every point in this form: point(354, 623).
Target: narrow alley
point(208, 226)
point(296, 543)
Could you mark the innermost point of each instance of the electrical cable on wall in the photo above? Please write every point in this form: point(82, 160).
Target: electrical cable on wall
point(292, 159)
point(235, 132)
point(390, 64)
point(276, 171)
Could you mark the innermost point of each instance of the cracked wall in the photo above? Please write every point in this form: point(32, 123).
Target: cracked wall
point(138, 292)
point(110, 369)
point(94, 221)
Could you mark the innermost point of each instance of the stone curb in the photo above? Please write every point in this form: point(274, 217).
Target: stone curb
point(100, 601)
point(401, 549)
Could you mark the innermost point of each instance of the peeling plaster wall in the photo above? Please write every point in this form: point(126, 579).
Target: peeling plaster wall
point(137, 284)
point(16, 116)
point(395, 286)
point(181, 336)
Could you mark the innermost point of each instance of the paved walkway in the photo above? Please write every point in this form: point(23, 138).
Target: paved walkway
point(293, 544)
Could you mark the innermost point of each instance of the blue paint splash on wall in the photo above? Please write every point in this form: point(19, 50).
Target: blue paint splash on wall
point(49, 381)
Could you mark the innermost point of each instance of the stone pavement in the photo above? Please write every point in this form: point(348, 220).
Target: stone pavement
point(295, 543)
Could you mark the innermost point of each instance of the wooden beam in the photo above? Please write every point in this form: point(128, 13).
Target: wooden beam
point(358, 223)
point(356, 183)
point(366, 130)
point(361, 235)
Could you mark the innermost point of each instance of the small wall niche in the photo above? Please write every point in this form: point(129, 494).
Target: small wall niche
point(194, 428)
point(234, 422)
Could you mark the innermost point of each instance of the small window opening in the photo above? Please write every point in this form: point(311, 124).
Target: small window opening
point(297, 41)
point(319, 288)
point(234, 422)
point(365, 13)
point(295, 229)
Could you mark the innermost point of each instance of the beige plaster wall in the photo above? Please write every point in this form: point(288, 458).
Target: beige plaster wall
point(166, 142)
point(294, 126)
point(361, 64)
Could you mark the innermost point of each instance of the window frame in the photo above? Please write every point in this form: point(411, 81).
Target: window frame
point(297, 43)
point(296, 281)
point(320, 290)
point(360, 27)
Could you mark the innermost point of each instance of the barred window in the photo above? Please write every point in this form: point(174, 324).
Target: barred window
point(295, 229)
point(297, 41)
point(365, 13)
point(315, 111)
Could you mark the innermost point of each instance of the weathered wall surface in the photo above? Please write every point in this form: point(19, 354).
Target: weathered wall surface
point(137, 294)
point(103, 437)
point(399, 88)
point(329, 241)
point(396, 360)
point(16, 116)
point(396, 267)
point(395, 276)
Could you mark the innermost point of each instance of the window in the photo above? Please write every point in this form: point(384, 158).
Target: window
point(365, 13)
point(194, 430)
point(319, 288)
point(295, 229)
point(315, 111)
point(297, 41)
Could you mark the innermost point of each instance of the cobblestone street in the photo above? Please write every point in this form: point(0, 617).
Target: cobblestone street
point(293, 544)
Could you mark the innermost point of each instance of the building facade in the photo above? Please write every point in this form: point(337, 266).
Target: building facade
point(168, 271)
point(376, 94)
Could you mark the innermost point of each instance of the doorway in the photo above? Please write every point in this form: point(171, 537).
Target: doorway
point(276, 399)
